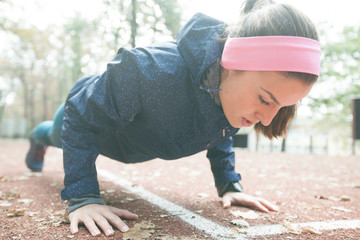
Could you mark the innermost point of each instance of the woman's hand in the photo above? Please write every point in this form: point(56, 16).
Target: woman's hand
point(94, 215)
point(239, 198)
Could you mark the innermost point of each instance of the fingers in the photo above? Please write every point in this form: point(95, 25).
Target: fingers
point(123, 213)
point(269, 205)
point(248, 201)
point(91, 226)
point(116, 221)
point(95, 216)
point(103, 223)
point(263, 205)
point(258, 205)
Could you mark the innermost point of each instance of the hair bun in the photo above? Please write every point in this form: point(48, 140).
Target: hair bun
point(251, 5)
point(261, 3)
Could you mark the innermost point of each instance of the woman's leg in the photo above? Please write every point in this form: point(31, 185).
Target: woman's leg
point(57, 125)
point(45, 134)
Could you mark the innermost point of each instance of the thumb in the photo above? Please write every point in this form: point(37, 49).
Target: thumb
point(226, 202)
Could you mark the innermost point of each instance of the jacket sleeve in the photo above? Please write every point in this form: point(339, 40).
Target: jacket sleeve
point(109, 101)
point(222, 160)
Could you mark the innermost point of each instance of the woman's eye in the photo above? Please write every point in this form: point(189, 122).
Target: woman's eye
point(263, 101)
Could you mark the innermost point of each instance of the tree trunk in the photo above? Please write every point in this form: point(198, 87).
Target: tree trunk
point(45, 99)
point(133, 23)
point(283, 145)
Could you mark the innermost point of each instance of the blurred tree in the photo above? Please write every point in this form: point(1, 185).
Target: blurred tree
point(28, 63)
point(171, 14)
point(42, 64)
point(339, 82)
point(128, 20)
point(74, 41)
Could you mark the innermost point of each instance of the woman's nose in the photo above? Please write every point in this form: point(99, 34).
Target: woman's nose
point(266, 116)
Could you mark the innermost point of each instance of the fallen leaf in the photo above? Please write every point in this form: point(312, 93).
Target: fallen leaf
point(13, 179)
point(140, 231)
point(15, 213)
point(128, 199)
point(203, 195)
point(311, 230)
point(31, 214)
point(55, 184)
point(165, 237)
point(5, 204)
point(339, 198)
point(342, 198)
point(170, 237)
point(240, 223)
point(247, 215)
point(33, 174)
point(127, 192)
point(25, 201)
point(9, 195)
point(342, 209)
point(291, 228)
point(296, 229)
point(178, 213)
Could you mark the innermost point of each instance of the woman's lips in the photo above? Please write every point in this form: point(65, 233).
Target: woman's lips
point(246, 123)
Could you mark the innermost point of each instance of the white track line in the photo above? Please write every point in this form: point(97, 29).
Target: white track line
point(213, 229)
point(320, 226)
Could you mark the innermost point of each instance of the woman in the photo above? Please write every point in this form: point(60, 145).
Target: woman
point(175, 99)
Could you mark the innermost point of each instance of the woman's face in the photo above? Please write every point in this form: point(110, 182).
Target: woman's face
point(249, 97)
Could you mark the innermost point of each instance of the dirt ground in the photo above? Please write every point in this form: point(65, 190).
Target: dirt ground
point(307, 189)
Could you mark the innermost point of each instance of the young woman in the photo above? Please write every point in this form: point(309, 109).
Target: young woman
point(176, 99)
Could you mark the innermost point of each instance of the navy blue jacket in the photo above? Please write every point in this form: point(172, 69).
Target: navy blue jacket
point(149, 104)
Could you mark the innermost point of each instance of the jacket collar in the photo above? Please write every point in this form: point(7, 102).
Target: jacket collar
point(199, 44)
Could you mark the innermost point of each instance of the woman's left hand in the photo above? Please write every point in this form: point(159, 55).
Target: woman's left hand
point(239, 198)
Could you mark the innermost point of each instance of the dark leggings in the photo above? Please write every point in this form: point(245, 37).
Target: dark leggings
point(47, 133)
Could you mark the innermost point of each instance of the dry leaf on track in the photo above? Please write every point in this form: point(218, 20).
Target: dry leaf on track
point(240, 223)
point(247, 215)
point(9, 195)
point(291, 228)
point(311, 230)
point(15, 213)
point(342, 209)
point(203, 195)
point(140, 231)
point(5, 204)
point(342, 198)
point(25, 200)
point(296, 229)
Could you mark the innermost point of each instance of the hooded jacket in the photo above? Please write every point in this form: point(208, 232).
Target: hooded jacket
point(149, 103)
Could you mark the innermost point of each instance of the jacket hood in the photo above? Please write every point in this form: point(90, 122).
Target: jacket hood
point(199, 43)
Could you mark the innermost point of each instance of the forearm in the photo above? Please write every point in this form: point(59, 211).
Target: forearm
point(222, 160)
point(79, 153)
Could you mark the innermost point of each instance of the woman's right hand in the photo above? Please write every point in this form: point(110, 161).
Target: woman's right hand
point(94, 215)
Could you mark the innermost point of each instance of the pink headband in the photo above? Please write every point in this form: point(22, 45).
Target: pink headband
point(272, 53)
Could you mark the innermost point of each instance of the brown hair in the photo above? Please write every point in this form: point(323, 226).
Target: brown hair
point(265, 18)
